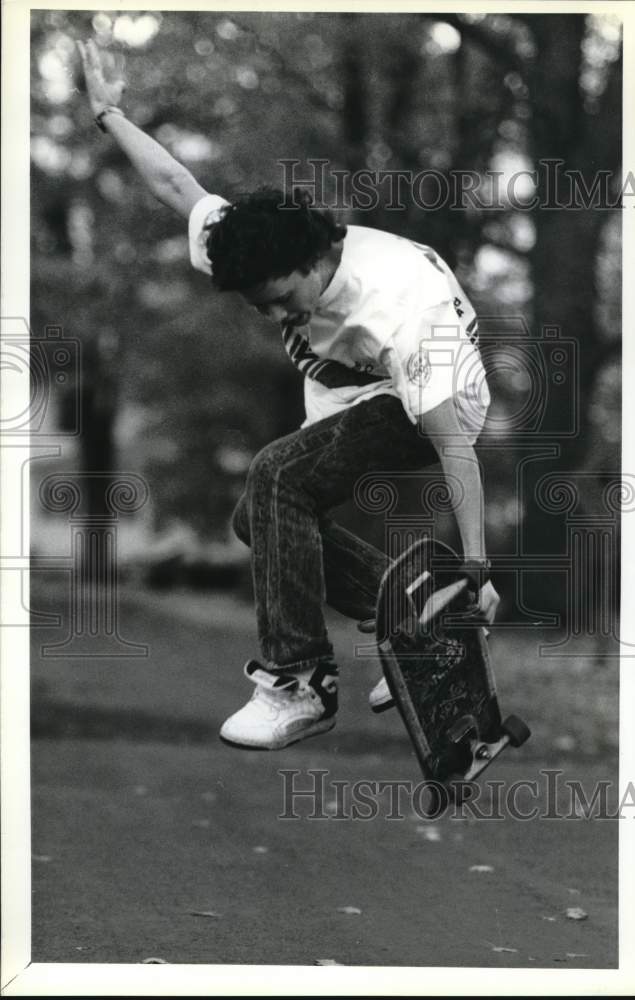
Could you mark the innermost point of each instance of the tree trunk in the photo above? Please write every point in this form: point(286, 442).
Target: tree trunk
point(563, 265)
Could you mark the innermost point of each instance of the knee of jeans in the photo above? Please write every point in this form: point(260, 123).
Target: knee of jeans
point(240, 521)
point(263, 469)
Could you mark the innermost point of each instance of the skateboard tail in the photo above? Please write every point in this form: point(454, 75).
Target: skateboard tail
point(405, 705)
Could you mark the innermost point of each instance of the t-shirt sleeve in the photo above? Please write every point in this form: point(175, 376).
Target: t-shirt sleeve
point(205, 213)
point(422, 357)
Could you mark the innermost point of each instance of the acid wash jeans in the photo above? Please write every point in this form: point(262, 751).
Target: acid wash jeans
point(300, 557)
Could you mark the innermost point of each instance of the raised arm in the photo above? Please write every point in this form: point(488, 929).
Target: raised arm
point(168, 180)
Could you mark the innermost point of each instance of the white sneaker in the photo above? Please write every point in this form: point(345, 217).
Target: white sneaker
point(283, 709)
point(380, 697)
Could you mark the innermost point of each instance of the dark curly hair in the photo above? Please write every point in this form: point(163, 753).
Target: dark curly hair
point(265, 235)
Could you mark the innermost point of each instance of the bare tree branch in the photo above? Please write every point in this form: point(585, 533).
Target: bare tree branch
point(315, 96)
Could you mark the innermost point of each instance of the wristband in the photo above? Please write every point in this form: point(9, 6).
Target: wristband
point(477, 572)
point(110, 109)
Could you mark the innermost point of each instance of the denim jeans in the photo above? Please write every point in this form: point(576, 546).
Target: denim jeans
point(300, 557)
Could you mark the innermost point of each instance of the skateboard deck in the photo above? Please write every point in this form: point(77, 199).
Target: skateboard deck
point(435, 657)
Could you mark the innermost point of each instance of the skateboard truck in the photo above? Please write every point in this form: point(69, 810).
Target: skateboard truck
point(463, 729)
point(464, 733)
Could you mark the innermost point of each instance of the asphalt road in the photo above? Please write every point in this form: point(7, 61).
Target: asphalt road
point(153, 839)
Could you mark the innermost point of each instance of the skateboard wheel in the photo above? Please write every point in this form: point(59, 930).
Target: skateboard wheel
point(516, 729)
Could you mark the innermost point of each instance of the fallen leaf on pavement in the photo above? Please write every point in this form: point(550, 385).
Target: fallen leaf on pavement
point(351, 910)
point(326, 961)
point(565, 743)
point(573, 892)
point(203, 913)
point(260, 850)
point(576, 913)
point(576, 954)
point(481, 868)
point(551, 920)
point(429, 833)
point(154, 961)
point(512, 951)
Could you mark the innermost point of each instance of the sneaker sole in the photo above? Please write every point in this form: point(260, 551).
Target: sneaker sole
point(383, 706)
point(323, 726)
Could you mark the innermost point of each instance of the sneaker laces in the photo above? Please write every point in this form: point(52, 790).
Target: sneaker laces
point(269, 684)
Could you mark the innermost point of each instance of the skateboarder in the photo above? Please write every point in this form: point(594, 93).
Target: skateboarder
point(387, 342)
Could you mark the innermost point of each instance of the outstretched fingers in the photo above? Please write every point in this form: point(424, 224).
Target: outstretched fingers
point(90, 58)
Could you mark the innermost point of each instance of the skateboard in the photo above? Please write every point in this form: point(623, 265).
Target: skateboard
point(435, 658)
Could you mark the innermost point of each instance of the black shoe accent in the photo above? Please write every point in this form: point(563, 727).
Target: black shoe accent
point(385, 705)
point(328, 698)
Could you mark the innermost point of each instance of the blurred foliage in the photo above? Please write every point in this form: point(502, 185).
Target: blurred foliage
point(199, 382)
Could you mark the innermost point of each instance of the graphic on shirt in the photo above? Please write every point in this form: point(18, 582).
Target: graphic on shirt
point(472, 331)
point(331, 374)
point(418, 367)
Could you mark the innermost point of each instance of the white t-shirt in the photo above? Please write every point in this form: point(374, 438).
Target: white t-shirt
point(394, 318)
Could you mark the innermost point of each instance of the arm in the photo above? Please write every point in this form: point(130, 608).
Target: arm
point(459, 462)
point(167, 179)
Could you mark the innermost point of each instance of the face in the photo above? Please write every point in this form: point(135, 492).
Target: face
point(289, 300)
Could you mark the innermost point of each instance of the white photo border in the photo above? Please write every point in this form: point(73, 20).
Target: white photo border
point(19, 976)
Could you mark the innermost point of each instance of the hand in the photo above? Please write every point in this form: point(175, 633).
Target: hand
point(488, 601)
point(100, 93)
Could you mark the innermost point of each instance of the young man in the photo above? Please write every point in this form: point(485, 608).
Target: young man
point(386, 340)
